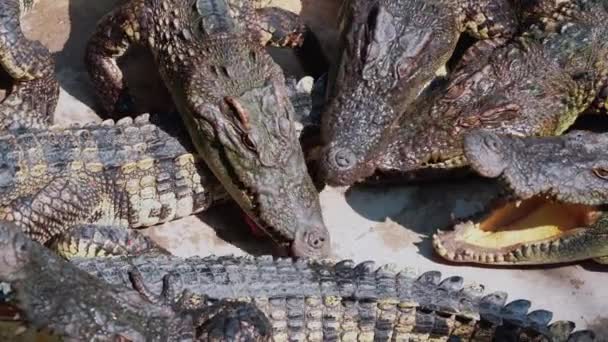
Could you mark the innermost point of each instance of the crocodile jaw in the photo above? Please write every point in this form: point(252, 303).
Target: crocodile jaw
point(534, 231)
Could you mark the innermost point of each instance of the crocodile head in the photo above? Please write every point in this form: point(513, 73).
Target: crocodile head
point(555, 208)
point(520, 88)
point(242, 123)
point(389, 51)
point(14, 251)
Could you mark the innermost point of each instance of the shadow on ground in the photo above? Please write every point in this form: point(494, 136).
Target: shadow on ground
point(228, 222)
point(422, 209)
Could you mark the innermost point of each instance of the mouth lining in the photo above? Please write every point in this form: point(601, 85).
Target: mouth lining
point(434, 161)
point(273, 233)
point(515, 230)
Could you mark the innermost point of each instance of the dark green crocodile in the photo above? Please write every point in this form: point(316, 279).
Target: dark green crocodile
point(535, 84)
point(390, 50)
point(554, 210)
point(232, 98)
point(278, 300)
point(56, 295)
point(32, 97)
point(128, 174)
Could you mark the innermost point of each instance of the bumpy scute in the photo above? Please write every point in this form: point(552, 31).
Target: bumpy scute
point(320, 300)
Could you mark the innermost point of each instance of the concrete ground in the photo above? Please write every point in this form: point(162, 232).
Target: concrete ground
point(392, 224)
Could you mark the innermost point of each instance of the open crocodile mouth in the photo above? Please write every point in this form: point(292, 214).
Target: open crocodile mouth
point(532, 231)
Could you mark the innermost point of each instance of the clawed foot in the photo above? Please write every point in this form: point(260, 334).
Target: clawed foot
point(233, 321)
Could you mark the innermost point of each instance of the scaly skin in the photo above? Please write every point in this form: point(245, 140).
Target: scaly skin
point(390, 50)
point(232, 98)
point(54, 294)
point(131, 174)
point(81, 186)
point(31, 101)
point(569, 171)
point(310, 300)
point(536, 85)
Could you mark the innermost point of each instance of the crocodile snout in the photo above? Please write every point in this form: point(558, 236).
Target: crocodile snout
point(340, 167)
point(342, 159)
point(483, 150)
point(312, 241)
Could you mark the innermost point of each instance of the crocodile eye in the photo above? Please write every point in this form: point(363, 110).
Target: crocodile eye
point(246, 140)
point(491, 142)
point(237, 109)
point(577, 136)
point(20, 244)
point(601, 172)
point(498, 115)
point(454, 92)
point(285, 126)
point(368, 33)
point(456, 88)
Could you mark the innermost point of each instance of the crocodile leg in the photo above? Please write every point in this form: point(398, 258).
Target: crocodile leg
point(279, 27)
point(53, 294)
point(115, 34)
point(88, 240)
point(62, 203)
point(30, 104)
point(223, 320)
point(31, 65)
point(232, 321)
point(21, 58)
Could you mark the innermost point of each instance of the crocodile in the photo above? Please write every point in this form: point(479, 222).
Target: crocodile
point(33, 94)
point(554, 206)
point(59, 184)
point(54, 294)
point(314, 300)
point(384, 303)
point(126, 174)
point(231, 96)
point(166, 298)
point(389, 51)
point(535, 84)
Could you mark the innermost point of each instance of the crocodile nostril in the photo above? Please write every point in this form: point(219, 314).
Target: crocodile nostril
point(343, 159)
point(316, 241)
point(491, 142)
point(312, 242)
